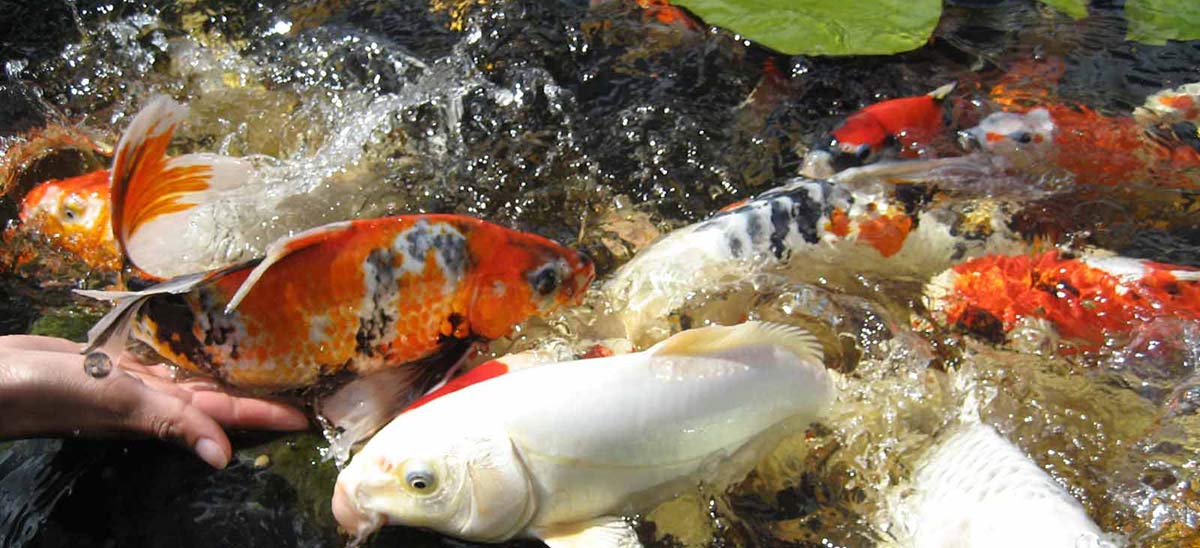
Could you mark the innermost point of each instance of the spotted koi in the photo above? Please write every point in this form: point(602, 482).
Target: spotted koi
point(811, 227)
point(346, 299)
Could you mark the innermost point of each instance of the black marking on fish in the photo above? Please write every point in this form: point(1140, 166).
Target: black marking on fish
point(781, 218)
point(914, 197)
point(174, 322)
point(455, 320)
point(735, 245)
point(375, 322)
point(982, 324)
point(754, 228)
point(451, 247)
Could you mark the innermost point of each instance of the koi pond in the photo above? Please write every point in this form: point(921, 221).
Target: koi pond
point(606, 125)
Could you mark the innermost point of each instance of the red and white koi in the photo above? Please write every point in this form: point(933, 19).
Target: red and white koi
point(560, 452)
point(1083, 300)
point(341, 300)
point(811, 228)
point(909, 124)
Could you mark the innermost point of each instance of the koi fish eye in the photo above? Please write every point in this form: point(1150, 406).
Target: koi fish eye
point(546, 281)
point(862, 153)
point(420, 479)
point(73, 209)
point(1022, 137)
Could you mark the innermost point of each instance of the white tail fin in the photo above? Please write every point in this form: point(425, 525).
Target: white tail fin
point(151, 193)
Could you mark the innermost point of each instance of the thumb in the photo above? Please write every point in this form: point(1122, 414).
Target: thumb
point(171, 418)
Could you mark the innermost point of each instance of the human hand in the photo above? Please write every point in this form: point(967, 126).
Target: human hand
point(44, 391)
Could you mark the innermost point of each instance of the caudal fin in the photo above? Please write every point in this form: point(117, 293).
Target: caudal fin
point(152, 194)
point(110, 333)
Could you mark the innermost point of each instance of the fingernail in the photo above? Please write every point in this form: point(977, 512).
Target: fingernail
point(211, 453)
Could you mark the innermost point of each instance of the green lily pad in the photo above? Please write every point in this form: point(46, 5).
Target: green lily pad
point(1156, 21)
point(1077, 9)
point(825, 27)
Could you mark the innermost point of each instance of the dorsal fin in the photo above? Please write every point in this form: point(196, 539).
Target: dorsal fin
point(943, 91)
point(152, 193)
point(282, 248)
point(718, 338)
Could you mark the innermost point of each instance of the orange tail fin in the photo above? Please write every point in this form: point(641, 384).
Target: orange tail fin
point(153, 193)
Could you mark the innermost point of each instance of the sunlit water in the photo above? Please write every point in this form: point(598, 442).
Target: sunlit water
point(600, 128)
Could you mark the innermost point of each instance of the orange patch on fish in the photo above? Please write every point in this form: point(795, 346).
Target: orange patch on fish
point(839, 223)
point(886, 233)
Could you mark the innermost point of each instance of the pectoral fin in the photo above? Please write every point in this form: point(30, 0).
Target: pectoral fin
point(601, 532)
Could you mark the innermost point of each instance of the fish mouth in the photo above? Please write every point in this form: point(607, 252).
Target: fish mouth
point(351, 517)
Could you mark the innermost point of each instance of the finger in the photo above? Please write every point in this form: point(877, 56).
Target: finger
point(171, 418)
point(229, 410)
point(251, 413)
point(41, 344)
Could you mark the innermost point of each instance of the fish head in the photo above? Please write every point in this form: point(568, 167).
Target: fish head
point(1010, 132)
point(75, 213)
point(418, 473)
point(521, 275)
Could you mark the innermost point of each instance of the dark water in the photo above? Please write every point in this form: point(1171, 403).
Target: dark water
point(543, 115)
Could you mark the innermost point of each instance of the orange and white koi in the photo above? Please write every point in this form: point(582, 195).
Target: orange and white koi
point(1084, 300)
point(909, 123)
point(1096, 149)
point(74, 215)
point(812, 228)
point(345, 299)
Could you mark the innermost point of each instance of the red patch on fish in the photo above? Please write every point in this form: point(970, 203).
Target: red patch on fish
point(1082, 302)
point(482, 372)
point(913, 121)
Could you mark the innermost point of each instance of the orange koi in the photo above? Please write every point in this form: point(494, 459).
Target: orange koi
point(73, 214)
point(1084, 299)
point(351, 298)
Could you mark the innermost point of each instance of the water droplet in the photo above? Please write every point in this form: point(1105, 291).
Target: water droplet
point(97, 365)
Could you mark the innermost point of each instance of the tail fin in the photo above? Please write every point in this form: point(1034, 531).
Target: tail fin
point(151, 193)
point(943, 91)
point(110, 333)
